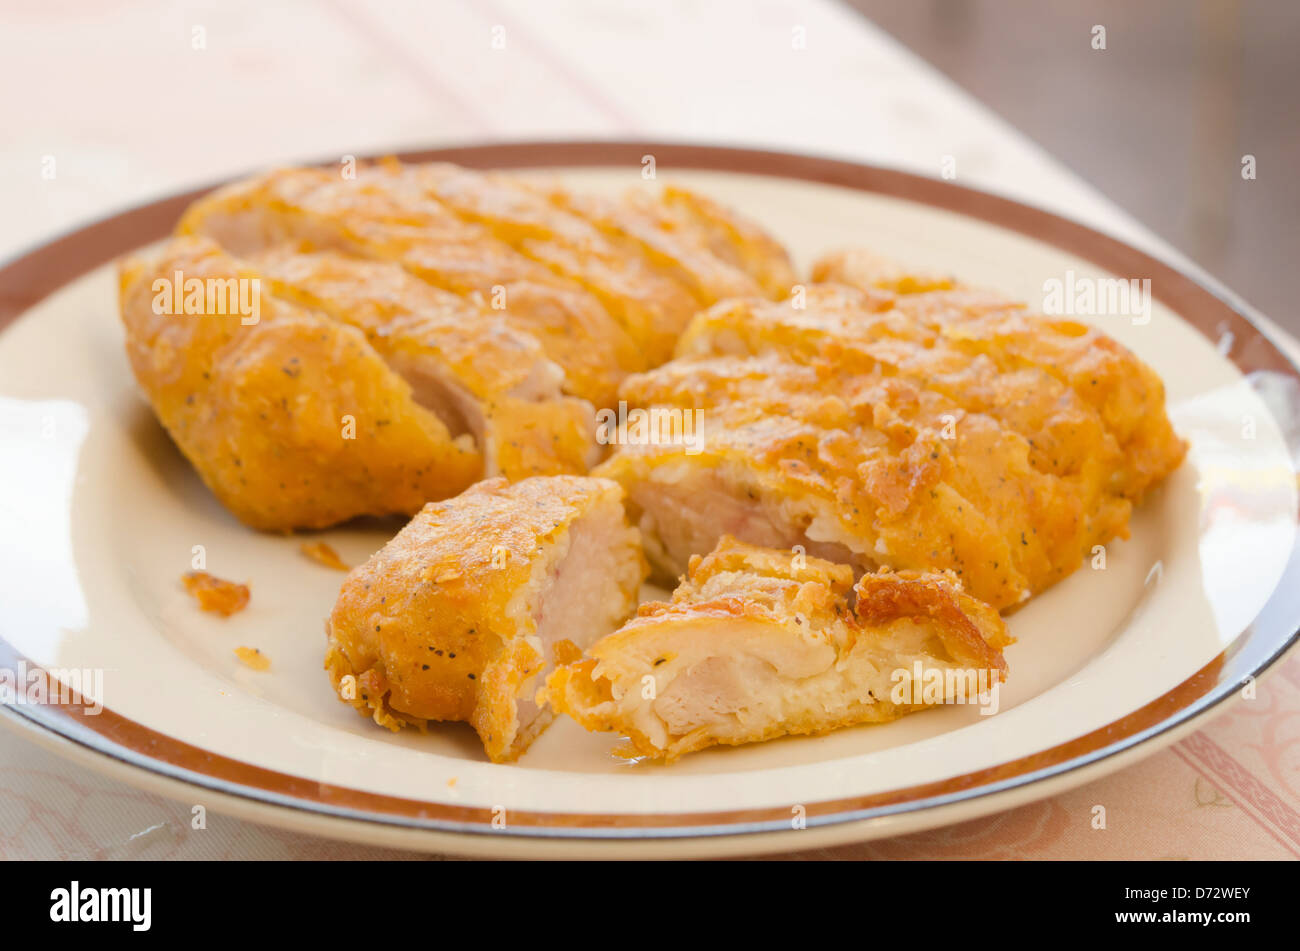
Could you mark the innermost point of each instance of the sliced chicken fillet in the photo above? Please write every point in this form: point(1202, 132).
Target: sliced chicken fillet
point(641, 221)
point(868, 470)
point(651, 306)
point(758, 643)
point(472, 603)
point(1126, 393)
point(463, 361)
point(734, 238)
point(293, 420)
point(317, 210)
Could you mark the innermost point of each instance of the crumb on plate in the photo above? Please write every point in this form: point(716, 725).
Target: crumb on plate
point(254, 658)
point(216, 594)
point(325, 555)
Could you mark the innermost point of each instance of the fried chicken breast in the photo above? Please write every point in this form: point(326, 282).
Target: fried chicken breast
point(941, 430)
point(292, 419)
point(463, 613)
point(467, 364)
point(652, 307)
point(1125, 394)
point(604, 294)
point(758, 643)
point(733, 238)
point(313, 209)
point(714, 255)
point(510, 308)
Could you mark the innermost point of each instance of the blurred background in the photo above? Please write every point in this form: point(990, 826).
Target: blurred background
point(1159, 121)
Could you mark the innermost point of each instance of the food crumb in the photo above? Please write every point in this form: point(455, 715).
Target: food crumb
point(254, 658)
point(323, 554)
point(216, 594)
point(451, 783)
point(626, 751)
point(566, 652)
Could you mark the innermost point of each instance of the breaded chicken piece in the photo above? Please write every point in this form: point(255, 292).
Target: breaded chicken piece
point(464, 362)
point(758, 643)
point(318, 210)
point(734, 238)
point(1126, 394)
point(866, 470)
point(890, 435)
point(642, 222)
point(862, 333)
point(469, 606)
point(293, 421)
point(652, 307)
point(605, 286)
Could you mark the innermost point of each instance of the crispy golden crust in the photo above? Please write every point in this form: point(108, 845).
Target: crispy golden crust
point(972, 632)
point(759, 643)
point(603, 285)
point(678, 248)
point(380, 218)
point(442, 623)
point(896, 474)
point(216, 594)
point(734, 238)
point(401, 314)
point(1067, 435)
point(457, 351)
point(651, 306)
point(293, 421)
point(933, 430)
point(1126, 394)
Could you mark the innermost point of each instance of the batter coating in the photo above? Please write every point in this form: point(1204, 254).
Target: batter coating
point(463, 361)
point(293, 421)
point(941, 430)
point(758, 643)
point(461, 615)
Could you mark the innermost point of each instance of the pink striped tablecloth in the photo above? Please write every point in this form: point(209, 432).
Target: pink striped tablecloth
point(136, 98)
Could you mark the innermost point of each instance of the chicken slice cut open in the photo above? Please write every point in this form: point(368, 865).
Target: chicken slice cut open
point(758, 643)
point(462, 615)
point(316, 210)
point(292, 419)
point(463, 361)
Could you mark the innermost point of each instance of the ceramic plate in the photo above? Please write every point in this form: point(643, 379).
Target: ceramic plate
point(100, 516)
